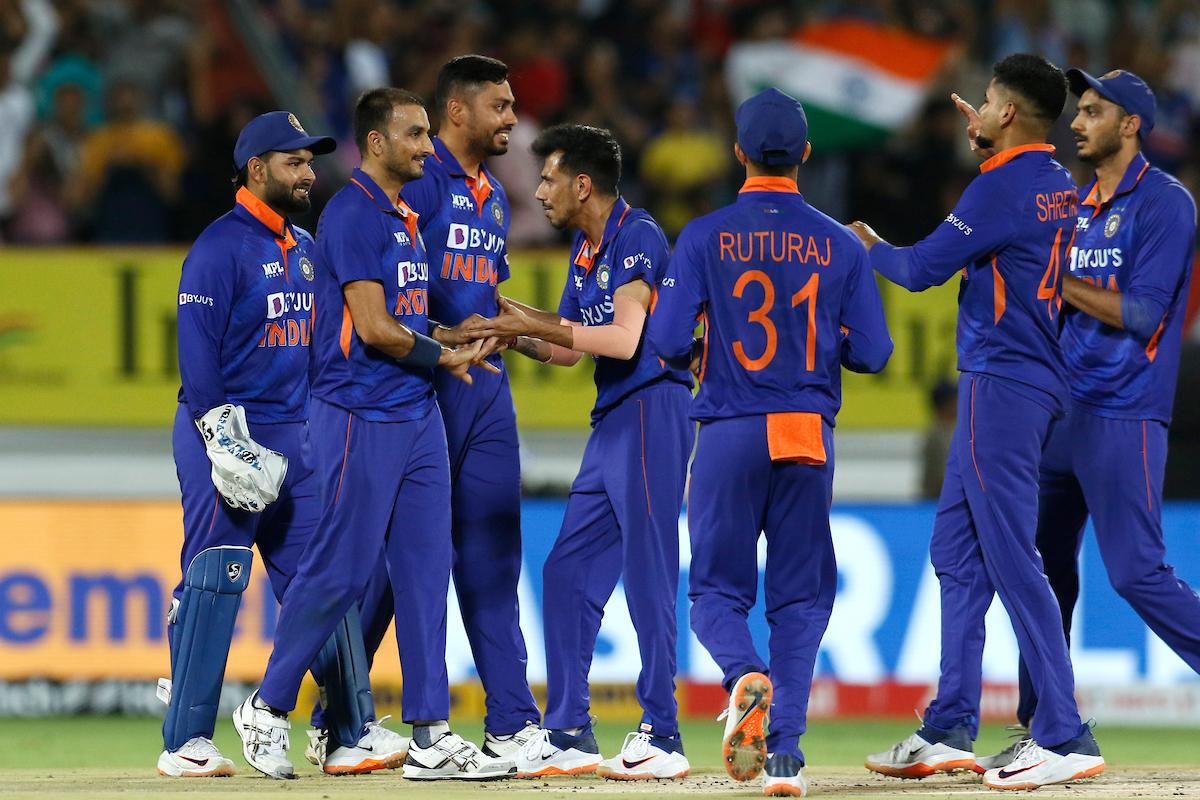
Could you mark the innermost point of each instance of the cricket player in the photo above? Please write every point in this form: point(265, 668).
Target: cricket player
point(463, 216)
point(1126, 293)
point(622, 517)
point(245, 317)
point(788, 297)
point(1011, 231)
point(380, 451)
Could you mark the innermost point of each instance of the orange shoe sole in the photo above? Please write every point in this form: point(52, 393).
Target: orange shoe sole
point(782, 790)
point(744, 750)
point(919, 771)
point(551, 771)
point(610, 775)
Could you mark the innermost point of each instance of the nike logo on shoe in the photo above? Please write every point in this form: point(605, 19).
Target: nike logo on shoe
point(1004, 774)
point(632, 764)
point(199, 762)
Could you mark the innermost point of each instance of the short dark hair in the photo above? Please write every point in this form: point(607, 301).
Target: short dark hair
point(373, 109)
point(1035, 79)
point(466, 73)
point(585, 150)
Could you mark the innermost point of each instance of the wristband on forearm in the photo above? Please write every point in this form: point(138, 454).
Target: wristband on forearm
point(426, 352)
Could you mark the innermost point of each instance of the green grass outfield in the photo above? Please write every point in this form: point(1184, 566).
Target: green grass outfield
point(114, 757)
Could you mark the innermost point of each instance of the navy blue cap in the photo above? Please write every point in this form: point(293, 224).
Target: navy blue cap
point(772, 128)
point(1121, 87)
point(276, 130)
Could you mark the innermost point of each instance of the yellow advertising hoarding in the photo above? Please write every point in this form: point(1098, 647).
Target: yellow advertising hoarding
point(87, 337)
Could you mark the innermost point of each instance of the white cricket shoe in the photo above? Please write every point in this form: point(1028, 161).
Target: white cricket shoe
point(783, 777)
point(1019, 735)
point(1036, 766)
point(198, 758)
point(264, 739)
point(453, 757)
point(379, 748)
point(916, 758)
point(744, 745)
point(508, 746)
point(551, 752)
point(644, 757)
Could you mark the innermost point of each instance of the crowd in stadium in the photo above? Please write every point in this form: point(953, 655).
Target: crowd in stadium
point(140, 100)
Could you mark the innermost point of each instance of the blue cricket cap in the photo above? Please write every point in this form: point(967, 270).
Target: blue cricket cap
point(772, 128)
point(276, 130)
point(1121, 87)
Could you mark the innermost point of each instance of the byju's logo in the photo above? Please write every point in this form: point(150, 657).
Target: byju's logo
point(458, 236)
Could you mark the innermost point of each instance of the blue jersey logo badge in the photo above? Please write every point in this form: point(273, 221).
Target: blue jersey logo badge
point(1110, 227)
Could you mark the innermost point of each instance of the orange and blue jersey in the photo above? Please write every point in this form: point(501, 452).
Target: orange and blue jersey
point(1011, 236)
point(632, 248)
point(787, 297)
point(1139, 242)
point(464, 221)
point(364, 235)
point(245, 315)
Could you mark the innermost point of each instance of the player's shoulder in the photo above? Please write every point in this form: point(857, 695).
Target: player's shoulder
point(224, 236)
point(1165, 192)
point(640, 228)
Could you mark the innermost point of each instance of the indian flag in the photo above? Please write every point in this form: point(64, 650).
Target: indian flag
point(858, 81)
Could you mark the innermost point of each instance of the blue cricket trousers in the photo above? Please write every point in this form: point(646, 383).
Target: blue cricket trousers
point(387, 493)
point(1112, 469)
point(738, 492)
point(622, 520)
point(983, 544)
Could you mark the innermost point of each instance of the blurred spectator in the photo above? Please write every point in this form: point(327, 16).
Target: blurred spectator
point(943, 402)
point(129, 172)
point(146, 42)
point(683, 168)
point(52, 154)
point(27, 31)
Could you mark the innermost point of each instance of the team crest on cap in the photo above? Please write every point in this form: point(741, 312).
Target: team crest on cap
point(602, 276)
point(306, 268)
point(497, 212)
point(1110, 227)
point(295, 122)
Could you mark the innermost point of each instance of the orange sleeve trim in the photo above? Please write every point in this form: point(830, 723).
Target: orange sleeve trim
point(347, 331)
point(764, 183)
point(1152, 345)
point(999, 292)
point(796, 436)
point(1005, 156)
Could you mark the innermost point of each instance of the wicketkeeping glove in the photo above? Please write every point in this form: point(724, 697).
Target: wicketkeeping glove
point(245, 473)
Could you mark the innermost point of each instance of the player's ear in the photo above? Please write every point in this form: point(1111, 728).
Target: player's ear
point(1131, 125)
point(583, 186)
point(739, 154)
point(456, 110)
point(807, 152)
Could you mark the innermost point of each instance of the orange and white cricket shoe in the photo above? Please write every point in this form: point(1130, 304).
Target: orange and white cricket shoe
point(198, 758)
point(783, 776)
point(744, 745)
point(379, 748)
point(1037, 766)
point(917, 757)
point(550, 752)
point(645, 757)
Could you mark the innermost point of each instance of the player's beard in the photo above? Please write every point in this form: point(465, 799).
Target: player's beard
point(281, 196)
point(983, 142)
point(487, 144)
point(1103, 147)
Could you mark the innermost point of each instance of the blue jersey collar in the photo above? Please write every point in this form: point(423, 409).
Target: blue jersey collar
point(586, 256)
point(373, 191)
point(1129, 181)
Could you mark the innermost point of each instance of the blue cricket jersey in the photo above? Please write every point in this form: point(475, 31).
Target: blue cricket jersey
point(787, 297)
point(363, 235)
point(1010, 235)
point(245, 315)
point(464, 222)
point(1139, 242)
point(633, 247)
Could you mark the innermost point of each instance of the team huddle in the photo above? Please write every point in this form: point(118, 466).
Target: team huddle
point(362, 433)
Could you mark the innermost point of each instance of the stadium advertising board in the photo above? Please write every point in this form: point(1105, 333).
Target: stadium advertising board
point(87, 337)
point(84, 587)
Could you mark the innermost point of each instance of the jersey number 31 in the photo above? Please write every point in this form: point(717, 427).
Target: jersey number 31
point(760, 316)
